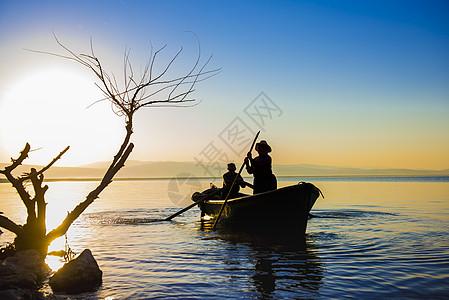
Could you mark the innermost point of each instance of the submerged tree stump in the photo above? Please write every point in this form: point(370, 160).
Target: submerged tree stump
point(77, 276)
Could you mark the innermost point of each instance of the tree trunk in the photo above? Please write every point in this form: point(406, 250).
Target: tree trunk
point(152, 89)
point(32, 237)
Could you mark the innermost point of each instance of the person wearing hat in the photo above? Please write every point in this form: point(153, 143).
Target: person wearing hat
point(228, 179)
point(260, 167)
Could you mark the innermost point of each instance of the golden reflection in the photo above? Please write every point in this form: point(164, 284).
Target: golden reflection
point(75, 237)
point(54, 262)
point(62, 197)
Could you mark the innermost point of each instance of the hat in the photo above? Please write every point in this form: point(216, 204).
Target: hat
point(263, 143)
point(231, 165)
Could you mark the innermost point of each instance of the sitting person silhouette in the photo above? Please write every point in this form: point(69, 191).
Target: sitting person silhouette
point(260, 167)
point(228, 179)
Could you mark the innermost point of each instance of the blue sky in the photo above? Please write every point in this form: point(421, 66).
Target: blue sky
point(359, 83)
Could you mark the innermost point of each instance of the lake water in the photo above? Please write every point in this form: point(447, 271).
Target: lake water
point(371, 238)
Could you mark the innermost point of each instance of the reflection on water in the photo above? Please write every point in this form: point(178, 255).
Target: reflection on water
point(368, 240)
point(279, 262)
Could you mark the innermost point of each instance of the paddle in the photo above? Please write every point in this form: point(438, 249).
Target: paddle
point(249, 185)
point(193, 204)
point(232, 185)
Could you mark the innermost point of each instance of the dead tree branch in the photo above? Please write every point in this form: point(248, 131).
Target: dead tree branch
point(18, 184)
point(10, 225)
point(152, 88)
point(23, 178)
point(80, 208)
point(37, 179)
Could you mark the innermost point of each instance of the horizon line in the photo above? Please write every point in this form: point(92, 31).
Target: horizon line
point(4, 180)
point(365, 168)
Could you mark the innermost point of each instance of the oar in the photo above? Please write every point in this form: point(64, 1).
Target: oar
point(232, 185)
point(192, 205)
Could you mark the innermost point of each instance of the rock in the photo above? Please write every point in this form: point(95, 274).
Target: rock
point(77, 276)
point(14, 294)
point(26, 269)
point(28, 261)
point(23, 294)
point(11, 277)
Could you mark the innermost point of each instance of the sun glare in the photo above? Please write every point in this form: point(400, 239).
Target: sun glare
point(49, 110)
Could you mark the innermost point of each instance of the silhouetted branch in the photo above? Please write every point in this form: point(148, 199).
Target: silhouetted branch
point(129, 132)
point(23, 178)
point(146, 90)
point(18, 185)
point(10, 225)
point(34, 220)
point(39, 198)
point(167, 85)
point(17, 162)
point(79, 209)
point(152, 88)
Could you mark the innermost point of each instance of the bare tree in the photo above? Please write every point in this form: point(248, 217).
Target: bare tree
point(151, 88)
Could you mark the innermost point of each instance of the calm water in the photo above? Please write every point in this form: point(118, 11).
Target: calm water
point(370, 239)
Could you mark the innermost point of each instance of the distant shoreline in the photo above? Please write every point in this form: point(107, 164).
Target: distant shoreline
point(137, 170)
point(407, 178)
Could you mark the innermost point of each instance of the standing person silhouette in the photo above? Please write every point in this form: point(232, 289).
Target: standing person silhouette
point(260, 167)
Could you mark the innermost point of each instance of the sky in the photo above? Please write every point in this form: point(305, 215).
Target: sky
point(341, 83)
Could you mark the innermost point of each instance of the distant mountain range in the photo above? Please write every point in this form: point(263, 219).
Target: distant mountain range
point(139, 169)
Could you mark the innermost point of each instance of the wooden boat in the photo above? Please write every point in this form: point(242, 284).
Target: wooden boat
point(286, 207)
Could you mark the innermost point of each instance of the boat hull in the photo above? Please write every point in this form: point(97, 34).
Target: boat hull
point(286, 208)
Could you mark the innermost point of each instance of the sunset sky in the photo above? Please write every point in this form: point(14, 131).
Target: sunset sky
point(342, 83)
